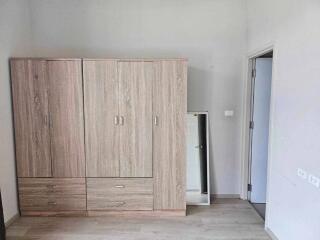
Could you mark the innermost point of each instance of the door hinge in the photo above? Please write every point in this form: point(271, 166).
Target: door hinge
point(249, 187)
point(251, 124)
point(253, 73)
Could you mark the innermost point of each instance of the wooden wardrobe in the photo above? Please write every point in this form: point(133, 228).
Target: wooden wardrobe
point(100, 136)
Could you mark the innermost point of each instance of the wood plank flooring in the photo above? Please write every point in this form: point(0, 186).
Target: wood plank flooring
point(260, 208)
point(225, 219)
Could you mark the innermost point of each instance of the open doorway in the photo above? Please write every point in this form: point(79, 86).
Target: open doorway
point(261, 79)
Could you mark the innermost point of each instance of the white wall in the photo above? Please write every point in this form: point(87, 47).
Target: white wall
point(293, 27)
point(211, 33)
point(14, 40)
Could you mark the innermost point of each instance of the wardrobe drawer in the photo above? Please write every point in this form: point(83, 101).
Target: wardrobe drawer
point(52, 203)
point(120, 194)
point(123, 202)
point(39, 186)
point(119, 186)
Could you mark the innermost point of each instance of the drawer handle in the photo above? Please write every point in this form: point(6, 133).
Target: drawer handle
point(52, 203)
point(50, 186)
point(119, 204)
point(119, 186)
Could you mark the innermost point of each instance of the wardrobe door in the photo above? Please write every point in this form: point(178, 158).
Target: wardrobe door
point(66, 118)
point(169, 135)
point(135, 90)
point(101, 118)
point(30, 105)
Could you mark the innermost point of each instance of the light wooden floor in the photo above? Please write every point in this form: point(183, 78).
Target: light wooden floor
point(225, 219)
point(260, 208)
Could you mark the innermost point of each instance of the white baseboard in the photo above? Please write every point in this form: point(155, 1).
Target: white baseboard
point(271, 234)
point(11, 220)
point(231, 196)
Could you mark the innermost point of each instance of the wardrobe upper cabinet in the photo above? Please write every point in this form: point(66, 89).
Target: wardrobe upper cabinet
point(135, 110)
point(101, 90)
point(31, 114)
point(169, 142)
point(66, 118)
point(118, 117)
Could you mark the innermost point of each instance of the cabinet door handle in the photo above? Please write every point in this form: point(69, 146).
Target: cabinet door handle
point(116, 120)
point(119, 186)
point(52, 203)
point(156, 120)
point(46, 122)
point(50, 121)
point(121, 120)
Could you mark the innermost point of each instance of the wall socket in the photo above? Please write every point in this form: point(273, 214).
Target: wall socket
point(302, 173)
point(228, 113)
point(312, 179)
point(315, 181)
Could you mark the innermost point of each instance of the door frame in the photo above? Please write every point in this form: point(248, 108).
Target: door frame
point(245, 131)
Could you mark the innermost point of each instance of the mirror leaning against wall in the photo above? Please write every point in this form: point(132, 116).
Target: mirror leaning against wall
point(198, 180)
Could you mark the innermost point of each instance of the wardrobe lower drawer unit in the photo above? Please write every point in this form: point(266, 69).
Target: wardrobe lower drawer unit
point(52, 194)
point(119, 194)
point(49, 202)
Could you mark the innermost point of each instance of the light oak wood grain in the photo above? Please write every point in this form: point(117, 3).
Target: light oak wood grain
point(138, 91)
point(120, 193)
point(101, 111)
point(122, 202)
point(46, 58)
point(100, 59)
point(66, 112)
point(137, 213)
point(11, 220)
point(169, 135)
point(120, 186)
point(135, 89)
point(30, 106)
point(55, 213)
point(235, 220)
point(53, 186)
point(47, 202)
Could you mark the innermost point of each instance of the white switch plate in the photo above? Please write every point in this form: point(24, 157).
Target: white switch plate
point(302, 173)
point(315, 181)
point(228, 113)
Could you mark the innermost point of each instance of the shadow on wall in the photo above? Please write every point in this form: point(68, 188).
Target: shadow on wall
point(2, 226)
point(200, 89)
